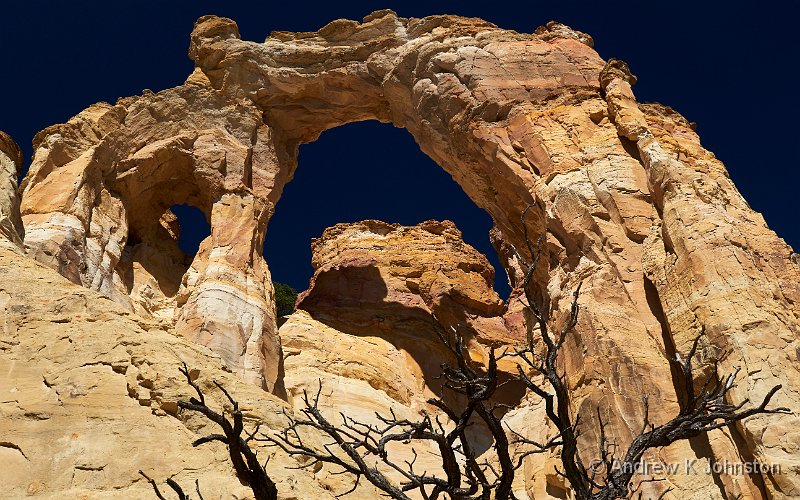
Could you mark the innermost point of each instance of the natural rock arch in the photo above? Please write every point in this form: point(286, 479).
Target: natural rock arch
point(624, 192)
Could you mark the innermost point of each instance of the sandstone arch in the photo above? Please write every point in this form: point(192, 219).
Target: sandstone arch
point(151, 154)
point(624, 192)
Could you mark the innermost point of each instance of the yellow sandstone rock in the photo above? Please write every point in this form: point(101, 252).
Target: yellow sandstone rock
point(88, 397)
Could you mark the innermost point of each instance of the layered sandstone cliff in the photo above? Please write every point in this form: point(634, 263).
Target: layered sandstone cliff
point(627, 199)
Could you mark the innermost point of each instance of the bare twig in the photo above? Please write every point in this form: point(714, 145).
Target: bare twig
point(153, 484)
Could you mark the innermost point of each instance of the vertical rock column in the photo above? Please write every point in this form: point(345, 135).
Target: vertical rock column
point(11, 231)
point(75, 224)
point(229, 299)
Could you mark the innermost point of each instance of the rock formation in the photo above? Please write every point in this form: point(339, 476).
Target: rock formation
point(97, 201)
point(404, 275)
point(89, 397)
point(366, 327)
point(394, 285)
point(625, 196)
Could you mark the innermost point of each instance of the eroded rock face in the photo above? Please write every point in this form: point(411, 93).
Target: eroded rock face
point(716, 265)
point(625, 196)
point(404, 275)
point(403, 287)
point(89, 394)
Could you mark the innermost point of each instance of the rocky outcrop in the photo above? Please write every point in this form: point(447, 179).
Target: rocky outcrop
point(404, 276)
point(625, 197)
point(401, 287)
point(716, 265)
point(96, 204)
point(11, 232)
point(89, 397)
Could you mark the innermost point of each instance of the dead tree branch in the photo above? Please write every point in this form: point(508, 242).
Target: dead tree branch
point(356, 447)
point(244, 459)
point(172, 484)
point(362, 449)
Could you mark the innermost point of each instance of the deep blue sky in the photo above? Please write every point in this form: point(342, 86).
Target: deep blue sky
point(730, 67)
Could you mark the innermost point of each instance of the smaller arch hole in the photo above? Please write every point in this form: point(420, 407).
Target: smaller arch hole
point(194, 227)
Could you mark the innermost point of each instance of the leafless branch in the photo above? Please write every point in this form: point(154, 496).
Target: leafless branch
point(357, 447)
point(244, 459)
point(361, 449)
point(153, 484)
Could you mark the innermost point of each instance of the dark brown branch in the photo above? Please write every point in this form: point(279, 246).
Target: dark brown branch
point(153, 484)
point(197, 488)
point(244, 459)
point(701, 413)
point(177, 489)
point(461, 475)
point(346, 440)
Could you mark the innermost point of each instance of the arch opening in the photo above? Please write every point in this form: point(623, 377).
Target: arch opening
point(192, 225)
point(360, 171)
point(367, 171)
